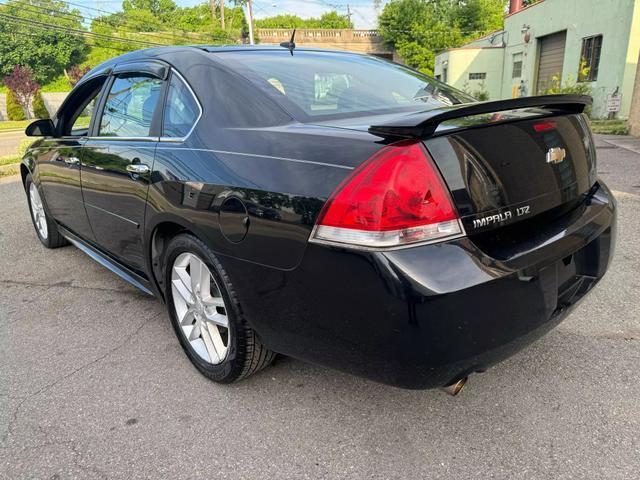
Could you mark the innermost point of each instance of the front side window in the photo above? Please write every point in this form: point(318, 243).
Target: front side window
point(79, 107)
point(130, 105)
point(181, 110)
point(590, 59)
point(80, 125)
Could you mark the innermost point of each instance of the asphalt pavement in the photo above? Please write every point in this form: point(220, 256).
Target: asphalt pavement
point(10, 141)
point(93, 384)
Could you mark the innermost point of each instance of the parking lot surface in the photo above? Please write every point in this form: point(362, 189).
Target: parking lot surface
point(93, 384)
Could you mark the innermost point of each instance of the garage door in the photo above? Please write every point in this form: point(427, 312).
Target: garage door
point(551, 59)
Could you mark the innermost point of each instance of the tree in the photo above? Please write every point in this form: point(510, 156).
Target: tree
point(157, 8)
point(46, 50)
point(327, 20)
point(419, 29)
point(39, 108)
point(23, 86)
point(477, 17)
point(14, 110)
point(75, 73)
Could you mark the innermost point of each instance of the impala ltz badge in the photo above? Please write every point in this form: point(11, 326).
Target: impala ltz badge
point(501, 217)
point(556, 155)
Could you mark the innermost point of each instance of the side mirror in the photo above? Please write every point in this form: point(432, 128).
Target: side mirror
point(40, 128)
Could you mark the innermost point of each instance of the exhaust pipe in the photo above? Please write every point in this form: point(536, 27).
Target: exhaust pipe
point(456, 387)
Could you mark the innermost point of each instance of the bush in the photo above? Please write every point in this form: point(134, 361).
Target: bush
point(14, 110)
point(39, 108)
point(568, 87)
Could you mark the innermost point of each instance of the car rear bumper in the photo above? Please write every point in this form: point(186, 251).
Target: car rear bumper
point(426, 316)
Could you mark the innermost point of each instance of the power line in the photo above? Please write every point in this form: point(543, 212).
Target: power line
point(82, 32)
point(124, 26)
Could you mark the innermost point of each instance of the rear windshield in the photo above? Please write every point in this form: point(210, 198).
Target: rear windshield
point(324, 85)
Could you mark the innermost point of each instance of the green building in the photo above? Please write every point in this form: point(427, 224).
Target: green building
point(589, 41)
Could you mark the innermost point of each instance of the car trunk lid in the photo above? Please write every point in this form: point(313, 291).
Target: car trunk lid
point(503, 161)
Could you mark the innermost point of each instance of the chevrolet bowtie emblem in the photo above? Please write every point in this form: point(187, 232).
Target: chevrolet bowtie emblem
point(556, 155)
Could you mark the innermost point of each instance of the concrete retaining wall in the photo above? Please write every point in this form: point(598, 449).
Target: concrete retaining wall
point(3, 107)
point(52, 100)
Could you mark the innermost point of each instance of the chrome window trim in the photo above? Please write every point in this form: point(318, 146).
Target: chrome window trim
point(141, 139)
point(193, 95)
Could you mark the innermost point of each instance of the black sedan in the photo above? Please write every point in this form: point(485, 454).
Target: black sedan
point(330, 206)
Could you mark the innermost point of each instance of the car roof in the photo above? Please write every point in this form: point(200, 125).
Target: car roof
point(170, 53)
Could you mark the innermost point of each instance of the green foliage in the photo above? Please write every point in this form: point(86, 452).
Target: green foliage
point(58, 84)
point(161, 21)
point(14, 110)
point(478, 17)
point(327, 20)
point(157, 8)
point(39, 108)
point(569, 87)
point(47, 51)
point(480, 93)
point(557, 87)
point(419, 29)
point(610, 127)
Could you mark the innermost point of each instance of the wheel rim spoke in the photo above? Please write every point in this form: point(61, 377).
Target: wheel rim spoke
point(218, 319)
point(37, 210)
point(216, 337)
point(200, 309)
point(188, 317)
point(214, 356)
point(181, 288)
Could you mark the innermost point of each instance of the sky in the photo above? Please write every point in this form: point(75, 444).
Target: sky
point(363, 13)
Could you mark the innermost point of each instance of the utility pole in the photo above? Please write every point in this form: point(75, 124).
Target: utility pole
point(250, 20)
point(348, 15)
point(222, 14)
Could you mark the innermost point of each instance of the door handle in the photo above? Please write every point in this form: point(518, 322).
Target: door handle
point(139, 168)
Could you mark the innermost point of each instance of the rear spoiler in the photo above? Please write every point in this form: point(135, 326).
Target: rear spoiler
point(424, 124)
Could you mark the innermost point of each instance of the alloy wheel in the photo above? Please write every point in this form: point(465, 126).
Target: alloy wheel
point(200, 308)
point(37, 210)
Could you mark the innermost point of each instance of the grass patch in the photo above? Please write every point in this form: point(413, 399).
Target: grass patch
point(610, 127)
point(9, 160)
point(14, 125)
point(9, 165)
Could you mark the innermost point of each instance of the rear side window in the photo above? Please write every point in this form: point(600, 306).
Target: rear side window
point(334, 85)
point(181, 110)
point(130, 105)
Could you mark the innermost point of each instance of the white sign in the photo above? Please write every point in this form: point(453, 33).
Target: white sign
point(613, 103)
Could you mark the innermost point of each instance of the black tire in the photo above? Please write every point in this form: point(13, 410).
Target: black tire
point(246, 355)
point(53, 238)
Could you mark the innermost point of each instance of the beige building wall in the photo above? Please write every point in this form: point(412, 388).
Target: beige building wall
point(460, 67)
point(634, 112)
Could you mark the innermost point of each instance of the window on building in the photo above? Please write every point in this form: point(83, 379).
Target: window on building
point(590, 59)
point(478, 76)
point(517, 65)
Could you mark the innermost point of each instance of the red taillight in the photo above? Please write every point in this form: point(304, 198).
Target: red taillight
point(395, 198)
point(544, 126)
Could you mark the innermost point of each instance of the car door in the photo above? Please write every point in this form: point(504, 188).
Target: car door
point(118, 159)
point(59, 158)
